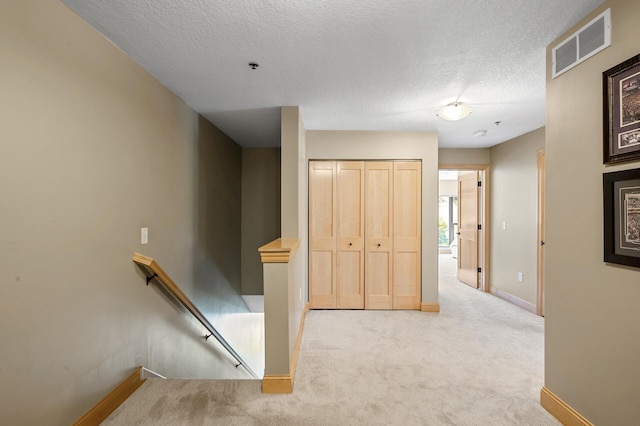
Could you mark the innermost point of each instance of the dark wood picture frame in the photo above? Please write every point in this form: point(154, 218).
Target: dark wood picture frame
point(622, 217)
point(621, 111)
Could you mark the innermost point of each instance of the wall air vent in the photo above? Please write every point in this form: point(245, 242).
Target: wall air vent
point(583, 44)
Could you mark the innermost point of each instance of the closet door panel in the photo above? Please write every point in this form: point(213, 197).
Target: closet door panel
point(378, 285)
point(322, 274)
point(407, 210)
point(406, 266)
point(379, 233)
point(322, 235)
point(350, 241)
point(350, 280)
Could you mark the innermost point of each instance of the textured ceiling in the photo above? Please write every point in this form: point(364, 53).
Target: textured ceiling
point(348, 64)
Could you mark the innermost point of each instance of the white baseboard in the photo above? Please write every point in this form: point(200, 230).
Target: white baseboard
point(145, 373)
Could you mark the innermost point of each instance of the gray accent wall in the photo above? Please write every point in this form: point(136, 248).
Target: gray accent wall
point(217, 256)
point(217, 225)
point(260, 211)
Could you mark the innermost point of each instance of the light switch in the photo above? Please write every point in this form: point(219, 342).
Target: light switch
point(144, 235)
point(504, 225)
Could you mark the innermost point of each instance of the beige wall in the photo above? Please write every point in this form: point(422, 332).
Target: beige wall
point(461, 156)
point(423, 146)
point(592, 337)
point(260, 211)
point(514, 185)
point(93, 148)
point(293, 225)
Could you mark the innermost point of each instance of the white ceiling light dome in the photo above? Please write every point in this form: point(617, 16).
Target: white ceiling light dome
point(454, 111)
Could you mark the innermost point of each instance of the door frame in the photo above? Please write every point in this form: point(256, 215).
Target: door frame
point(541, 230)
point(484, 247)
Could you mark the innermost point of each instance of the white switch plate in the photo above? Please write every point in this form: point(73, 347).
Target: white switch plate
point(520, 276)
point(144, 235)
point(504, 225)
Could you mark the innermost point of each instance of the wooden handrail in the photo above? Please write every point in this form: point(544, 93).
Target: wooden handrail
point(279, 251)
point(155, 271)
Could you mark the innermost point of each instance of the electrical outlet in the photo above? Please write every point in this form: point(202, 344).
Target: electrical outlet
point(504, 225)
point(519, 276)
point(144, 235)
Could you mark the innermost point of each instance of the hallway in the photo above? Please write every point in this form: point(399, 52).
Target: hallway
point(478, 362)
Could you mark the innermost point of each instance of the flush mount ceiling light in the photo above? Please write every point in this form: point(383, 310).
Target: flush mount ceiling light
point(454, 111)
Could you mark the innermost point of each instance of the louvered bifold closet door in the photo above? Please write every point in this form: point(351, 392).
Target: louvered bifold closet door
point(322, 235)
point(378, 237)
point(407, 244)
point(350, 247)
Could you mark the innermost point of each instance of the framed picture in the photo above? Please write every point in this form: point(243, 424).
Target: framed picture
point(621, 111)
point(622, 217)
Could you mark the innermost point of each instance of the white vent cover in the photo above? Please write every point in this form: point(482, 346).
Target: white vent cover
point(583, 44)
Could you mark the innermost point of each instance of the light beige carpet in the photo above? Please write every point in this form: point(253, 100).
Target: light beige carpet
point(478, 362)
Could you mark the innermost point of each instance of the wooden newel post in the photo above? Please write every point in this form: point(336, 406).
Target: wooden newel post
point(280, 324)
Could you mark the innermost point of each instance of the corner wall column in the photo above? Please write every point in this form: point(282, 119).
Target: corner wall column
point(281, 331)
